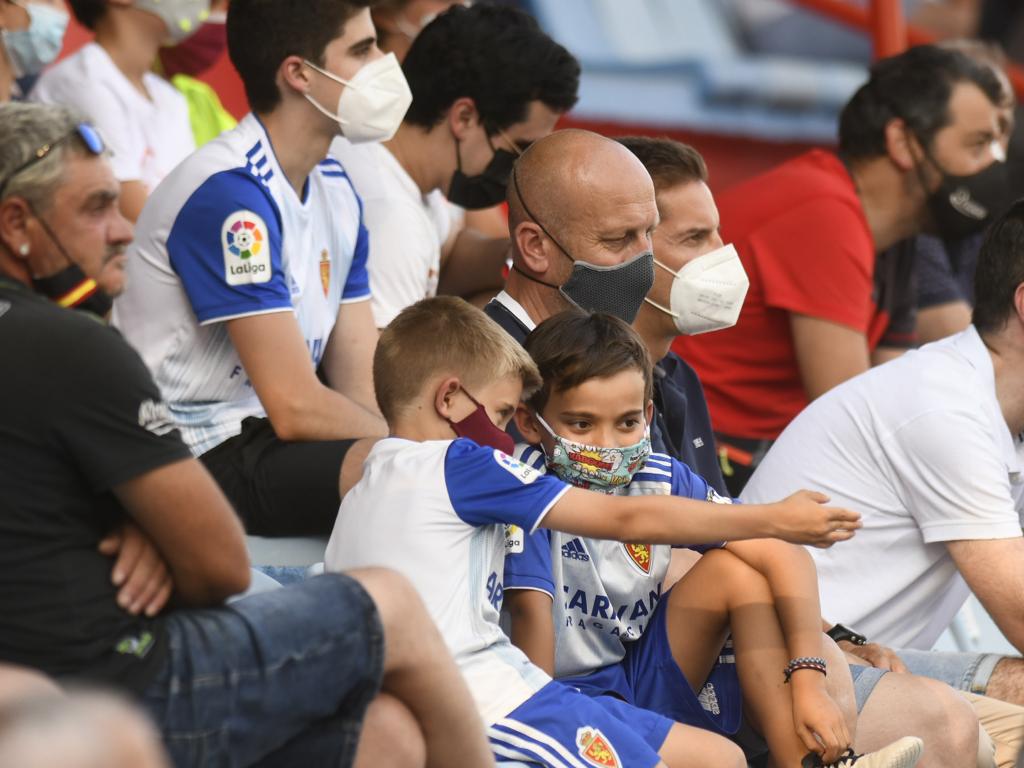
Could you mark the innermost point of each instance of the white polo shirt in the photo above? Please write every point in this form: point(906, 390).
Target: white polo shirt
point(407, 228)
point(147, 138)
point(920, 448)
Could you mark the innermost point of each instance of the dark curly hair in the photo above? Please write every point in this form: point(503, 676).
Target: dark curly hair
point(914, 86)
point(496, 55)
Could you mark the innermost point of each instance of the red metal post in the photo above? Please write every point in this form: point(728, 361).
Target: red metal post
point(888, 28)
point(869, 19)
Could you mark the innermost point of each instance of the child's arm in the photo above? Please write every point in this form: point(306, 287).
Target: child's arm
point(793, 580)
point(531, 625)
point(528, 593)
point(800, 518)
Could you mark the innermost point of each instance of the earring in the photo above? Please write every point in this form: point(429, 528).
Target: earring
point(24, 249)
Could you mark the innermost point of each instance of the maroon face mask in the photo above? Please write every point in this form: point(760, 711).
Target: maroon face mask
point(196, 53)
point(479, 428)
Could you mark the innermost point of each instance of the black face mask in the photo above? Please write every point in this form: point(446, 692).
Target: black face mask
point(70, 288)
point(964, 205)
point(488, 188)
point(618, 290)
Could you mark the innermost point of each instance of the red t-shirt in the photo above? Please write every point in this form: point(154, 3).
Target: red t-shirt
point(806, 246)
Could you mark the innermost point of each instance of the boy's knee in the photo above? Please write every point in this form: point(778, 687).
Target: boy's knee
point(690, 747)
point(391, 737)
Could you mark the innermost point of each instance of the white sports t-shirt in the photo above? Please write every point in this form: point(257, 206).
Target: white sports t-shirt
point(407, 228)
point(603, 592)
point(226, 236)
point(920, 448)
point(436, 512)
point(147, 138)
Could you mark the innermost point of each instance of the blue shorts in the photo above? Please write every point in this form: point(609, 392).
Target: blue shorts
point(560, 727)
point(648, 677)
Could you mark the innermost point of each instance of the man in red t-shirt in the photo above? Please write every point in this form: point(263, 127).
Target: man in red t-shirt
point(917, 152)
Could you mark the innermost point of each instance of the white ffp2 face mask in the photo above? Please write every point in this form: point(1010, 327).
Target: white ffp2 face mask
point(373, 103)
point(707, 293)
point(182, 17)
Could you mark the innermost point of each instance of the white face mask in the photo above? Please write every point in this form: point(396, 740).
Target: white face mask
point(31, 49)
point(373, 103)
point(182, 17)
point(707, 293)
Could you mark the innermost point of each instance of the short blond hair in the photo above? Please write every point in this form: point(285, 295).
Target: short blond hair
point(444, 335)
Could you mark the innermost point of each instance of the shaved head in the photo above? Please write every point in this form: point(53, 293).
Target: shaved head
point(572, 178)
point(574, 196)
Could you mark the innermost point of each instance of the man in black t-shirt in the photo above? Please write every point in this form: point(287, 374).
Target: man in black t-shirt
point(92, 467)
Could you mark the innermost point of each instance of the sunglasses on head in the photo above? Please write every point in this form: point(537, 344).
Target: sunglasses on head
point(90, 138)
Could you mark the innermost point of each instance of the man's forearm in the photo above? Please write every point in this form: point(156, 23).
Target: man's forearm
point(474, 265)
point(325, 415)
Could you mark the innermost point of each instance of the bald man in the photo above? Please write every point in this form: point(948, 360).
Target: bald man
point(581, 214)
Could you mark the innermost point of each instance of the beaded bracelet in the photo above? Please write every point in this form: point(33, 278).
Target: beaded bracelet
point(805, 662)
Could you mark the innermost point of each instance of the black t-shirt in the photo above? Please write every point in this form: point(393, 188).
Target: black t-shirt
point(79, 414)
point(895, 295)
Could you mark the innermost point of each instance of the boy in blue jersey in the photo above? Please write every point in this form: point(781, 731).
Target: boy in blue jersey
point(611, 631)
point(435, 506)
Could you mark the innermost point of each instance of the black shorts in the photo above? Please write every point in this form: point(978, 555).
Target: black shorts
point(279, 488)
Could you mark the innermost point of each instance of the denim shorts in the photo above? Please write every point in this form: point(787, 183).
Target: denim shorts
point(281, 678)
point(963, 671)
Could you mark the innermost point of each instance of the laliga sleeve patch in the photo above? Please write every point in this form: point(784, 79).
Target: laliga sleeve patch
point(516, 468)
point(514, 539)
point(246, 249)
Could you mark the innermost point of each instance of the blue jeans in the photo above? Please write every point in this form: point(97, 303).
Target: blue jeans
point(281, 678)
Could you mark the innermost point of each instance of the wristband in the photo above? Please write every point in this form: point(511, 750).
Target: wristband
point(805, 662)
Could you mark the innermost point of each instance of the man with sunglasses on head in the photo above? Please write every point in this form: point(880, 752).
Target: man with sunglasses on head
point(486, 83)
point(249, 269)
point(105, 516)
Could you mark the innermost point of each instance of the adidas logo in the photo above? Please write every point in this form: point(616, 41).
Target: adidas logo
point(574, 550)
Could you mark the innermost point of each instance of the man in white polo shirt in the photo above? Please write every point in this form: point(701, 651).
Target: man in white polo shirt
point(928, 448)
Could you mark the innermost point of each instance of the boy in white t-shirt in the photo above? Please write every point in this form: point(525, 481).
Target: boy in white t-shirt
point(436, 508)
point(612, 630)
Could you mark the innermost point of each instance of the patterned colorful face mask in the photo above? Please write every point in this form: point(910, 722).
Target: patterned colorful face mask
point(595, 467)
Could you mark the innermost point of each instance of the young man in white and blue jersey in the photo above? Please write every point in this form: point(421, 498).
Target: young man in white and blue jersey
point(435, 506)
point(248, 270)
point(743, 623)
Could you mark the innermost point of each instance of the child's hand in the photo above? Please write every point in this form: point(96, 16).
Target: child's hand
point(819, 722)
point(802, 519)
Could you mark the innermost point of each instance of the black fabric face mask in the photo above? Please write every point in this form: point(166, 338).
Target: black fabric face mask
point(486, 189)
point(965, 205)
point(72, 289)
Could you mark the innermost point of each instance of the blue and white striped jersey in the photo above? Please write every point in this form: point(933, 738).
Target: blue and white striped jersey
point(603, 592)
point(226, 236)
point(437, 512)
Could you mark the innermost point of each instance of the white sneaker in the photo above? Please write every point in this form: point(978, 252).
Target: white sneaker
point(900, 754)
